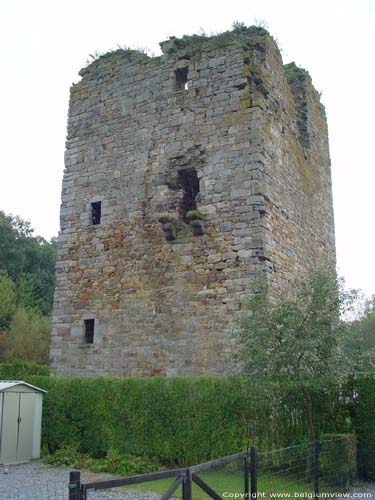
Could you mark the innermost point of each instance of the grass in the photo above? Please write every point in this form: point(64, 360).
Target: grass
point(223, 480)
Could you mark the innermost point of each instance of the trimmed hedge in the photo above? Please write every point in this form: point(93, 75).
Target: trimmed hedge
point(19, 370)
point(173, 420)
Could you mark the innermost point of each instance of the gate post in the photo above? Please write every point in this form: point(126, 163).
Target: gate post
point(316, 469)
point(253, 469)
point(186, 486)
point(75, 485)
point(246, 474)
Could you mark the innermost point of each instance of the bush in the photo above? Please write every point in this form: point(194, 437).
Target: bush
point(338, 459)
point(28, 337)
point(113, 463)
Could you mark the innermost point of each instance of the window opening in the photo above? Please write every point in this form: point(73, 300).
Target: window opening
point(181, 78)
point(96, 212)
point(89, 331)
point(189, 183)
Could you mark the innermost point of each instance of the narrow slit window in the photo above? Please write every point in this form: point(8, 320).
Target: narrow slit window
point(181, 78)
point(96, 212)
point(89, 331)
point(189, 182)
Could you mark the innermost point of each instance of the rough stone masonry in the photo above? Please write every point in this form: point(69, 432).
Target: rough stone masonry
point(186, 175)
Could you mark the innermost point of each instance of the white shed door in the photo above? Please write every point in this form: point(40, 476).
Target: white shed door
point(26, 427)
point(9, 431)
point(18, 427)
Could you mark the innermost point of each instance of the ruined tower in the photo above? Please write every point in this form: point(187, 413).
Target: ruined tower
point(186, 174)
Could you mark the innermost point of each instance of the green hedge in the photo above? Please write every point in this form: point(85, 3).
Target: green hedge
point(363, 416)
point(174, 420)
point(19, 370)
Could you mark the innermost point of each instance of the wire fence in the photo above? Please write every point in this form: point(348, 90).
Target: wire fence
point(337, 462)
point(325, 466)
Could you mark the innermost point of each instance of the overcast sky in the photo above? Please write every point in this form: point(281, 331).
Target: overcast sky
point(44, 43)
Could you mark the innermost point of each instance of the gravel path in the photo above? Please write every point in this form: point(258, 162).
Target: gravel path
point(365, 492)
point(37, 481)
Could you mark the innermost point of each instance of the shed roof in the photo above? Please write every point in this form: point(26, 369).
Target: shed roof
point(7, 384)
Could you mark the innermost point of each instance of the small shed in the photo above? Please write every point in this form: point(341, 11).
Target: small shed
point(20, 421)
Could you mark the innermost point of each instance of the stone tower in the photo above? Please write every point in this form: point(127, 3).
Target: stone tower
point(186, 174)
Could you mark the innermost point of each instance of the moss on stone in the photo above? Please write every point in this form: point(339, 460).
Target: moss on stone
point(245, 103)
point(167, 219)
point(246, 71)
point(256, 76)
point(194, 215)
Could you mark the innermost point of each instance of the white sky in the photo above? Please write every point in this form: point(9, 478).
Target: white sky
point(44, 43)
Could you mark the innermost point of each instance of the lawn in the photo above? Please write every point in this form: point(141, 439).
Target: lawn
point(222, 480)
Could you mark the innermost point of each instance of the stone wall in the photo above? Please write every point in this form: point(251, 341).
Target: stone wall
point(210, 164)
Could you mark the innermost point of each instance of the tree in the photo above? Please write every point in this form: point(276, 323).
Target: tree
point(7, 300)
point(360, 340)
point(294, 340)
point(29, 261)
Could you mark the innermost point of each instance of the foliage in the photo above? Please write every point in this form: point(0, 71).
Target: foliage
point(295, 74)
point(239, 25)
point(338, 459)
point(20, 370)
point(28, 337)
point(261, 23)
point(7, 300)
point(360, 340)
point(193, 46)
point(113, 462)
point(294, 340)
point(131, 53)
point(29, 262)
point(363, 415)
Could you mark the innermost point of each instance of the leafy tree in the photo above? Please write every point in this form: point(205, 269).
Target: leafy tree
point(29, 261)
point(360, 340)
point(294, 341)
point(7, 300)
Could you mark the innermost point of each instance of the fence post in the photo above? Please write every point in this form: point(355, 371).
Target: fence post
point(253, 469)
point(186, 486)
point(246, 474)
point(74, 485)
point(316, 469)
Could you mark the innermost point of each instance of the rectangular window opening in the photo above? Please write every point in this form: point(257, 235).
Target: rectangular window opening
point(96, 212)
point(181, 78)
point(188, 181)
point(89, 331)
